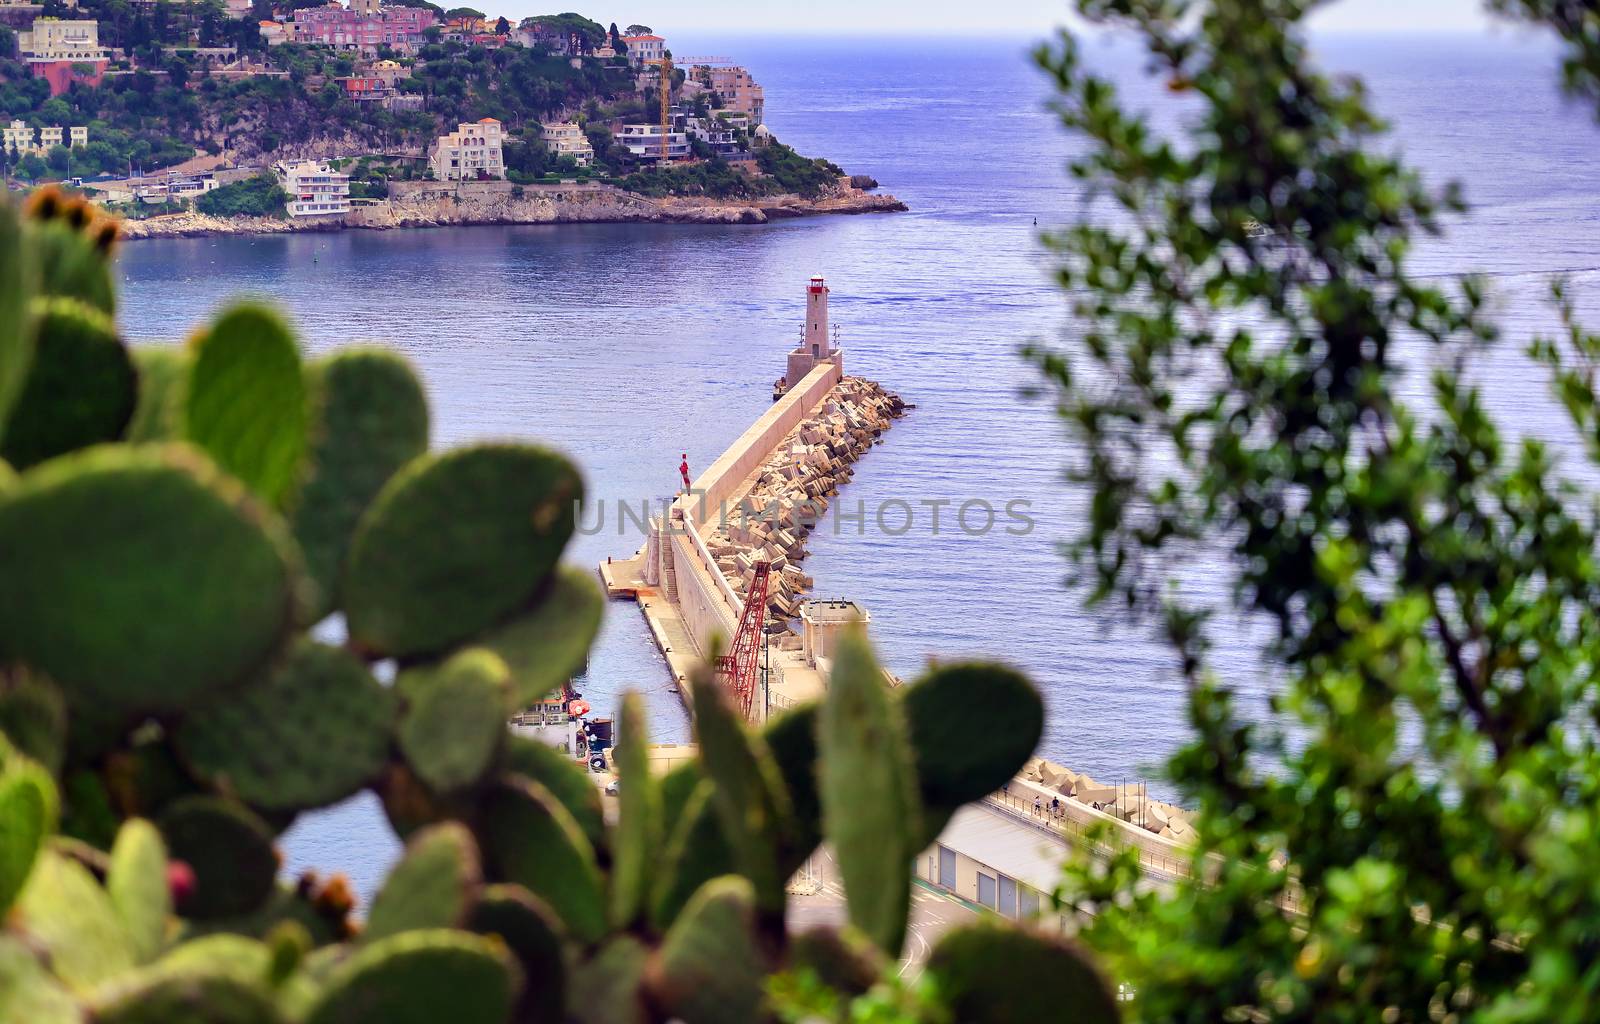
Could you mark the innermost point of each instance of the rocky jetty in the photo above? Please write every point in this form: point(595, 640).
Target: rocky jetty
point(792, 490)
point(1128, 803)
point(447, 204)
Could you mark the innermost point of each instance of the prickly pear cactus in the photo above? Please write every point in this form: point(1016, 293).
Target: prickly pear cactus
point(175, 520)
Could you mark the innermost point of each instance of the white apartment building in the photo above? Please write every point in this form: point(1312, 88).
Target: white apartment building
point(644, 140)
point(470, 152)
point(19, 140)
point(643, 48)
point(53, 39)
point(567, 139)
point(315, 190)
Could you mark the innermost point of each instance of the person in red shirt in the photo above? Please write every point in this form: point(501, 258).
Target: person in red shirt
point(683, 468)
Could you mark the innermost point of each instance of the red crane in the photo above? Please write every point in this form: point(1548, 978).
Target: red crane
point(736, 670)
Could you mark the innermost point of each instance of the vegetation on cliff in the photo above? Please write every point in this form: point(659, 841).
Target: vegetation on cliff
point(260, 196)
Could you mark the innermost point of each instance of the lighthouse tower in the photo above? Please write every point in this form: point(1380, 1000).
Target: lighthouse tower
point(816, 344)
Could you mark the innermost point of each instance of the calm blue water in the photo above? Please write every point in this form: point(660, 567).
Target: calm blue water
point(627, 345)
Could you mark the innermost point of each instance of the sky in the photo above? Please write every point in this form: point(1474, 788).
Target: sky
point(958, 17)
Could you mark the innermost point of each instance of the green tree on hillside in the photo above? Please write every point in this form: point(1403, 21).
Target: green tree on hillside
point(1423, 792)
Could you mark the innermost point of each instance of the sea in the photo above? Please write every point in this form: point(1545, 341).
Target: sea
point(629, 345)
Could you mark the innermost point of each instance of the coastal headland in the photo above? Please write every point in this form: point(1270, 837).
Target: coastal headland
point(423, 204)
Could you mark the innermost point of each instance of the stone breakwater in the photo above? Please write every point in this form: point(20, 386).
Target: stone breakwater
point(1126, 803)
point(791, 491)
point(439, 204)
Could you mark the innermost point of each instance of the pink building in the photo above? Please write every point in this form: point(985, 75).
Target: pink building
point(362, 31)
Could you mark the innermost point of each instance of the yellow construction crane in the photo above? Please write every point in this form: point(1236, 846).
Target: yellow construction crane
point(664, 65)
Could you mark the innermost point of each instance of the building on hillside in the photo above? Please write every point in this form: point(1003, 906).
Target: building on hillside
point(365, 88)
point(567, 139)
point(643, 48)
point(315, 189)
point(722, 139)
point(404, 101)
point(63, 52)
point(470, 153)
point(391, 71)
point(239, 10)
point(274, 33)
point(19, 138)
point(738, 91)
point(361, 28)
point(644, 142)
point(186, 187)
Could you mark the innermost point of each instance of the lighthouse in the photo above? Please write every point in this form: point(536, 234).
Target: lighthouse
point(816, 342)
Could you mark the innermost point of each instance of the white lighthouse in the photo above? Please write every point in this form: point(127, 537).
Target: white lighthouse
point(816, 344)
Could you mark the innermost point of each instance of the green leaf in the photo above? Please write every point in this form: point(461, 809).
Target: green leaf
point(27, 817)
point(140, 578)
point(137, 884)
point(430, 887)
point(529, 838)
point(371, 419)
point(638, 835)
point(608, 987)
point(697, 851)
point(230, 850)
point(33, 716)
point(567, 780)
point(246, 403)
point(80, 390)
point(749, 795)
point(1002, 971)
point(869, 800)
point(158, 996)
point(710, 969)
point(455, 544)
point(548, 645)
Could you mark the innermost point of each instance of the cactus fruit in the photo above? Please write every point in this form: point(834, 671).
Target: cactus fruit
point(28, 992)
point(69, 241)
point(420, 977)
point(870, 806)
point(996, 971)
point(710, 969)
point(163, 387)
point(370, 419)
point(638, 836)
point(64, 911)
point(964, 758)
point(565, 780)
point(27, 817)
point(246, 402)
point(80, 390)
point(230, 850)
point(548, 645)
point(431, 886)
point(530, 839)
point(748, 793)
point(456, 543)
point(533, 933)
point(140, 577)
point(137, 884)
point(456, 721)
point(312, 732)
point(33, 717)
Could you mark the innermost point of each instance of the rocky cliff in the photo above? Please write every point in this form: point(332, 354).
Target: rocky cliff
point(441, 204)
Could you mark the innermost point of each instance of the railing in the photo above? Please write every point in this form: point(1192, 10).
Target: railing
point(1063, 826)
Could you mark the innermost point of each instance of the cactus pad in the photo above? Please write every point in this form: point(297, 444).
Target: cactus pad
point(310, 733)
point(228, 848)
point(549, 645)
point(27, 991)
point(71, 259)
point(17, 270)
point(792, 738)
point(137, 884)
point(638, 837)
point(608, 988)
point(529, 838)
point(246, 403)
point(420, 977)
point(696, 852)
point(163, 385)
point(456, 543)
point(870, 806)
point(844, 959)
point(966, 749)
point(1001, 971)
point(564, 778)
point(432, 885)
point(80, 390)
point(155, 996)
point(66, 912)
point(456, 720)
point(371, 418)
point(531, 930)
point(709, 969)
point(33, 717)
point(27, 817)
point(140, 577)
